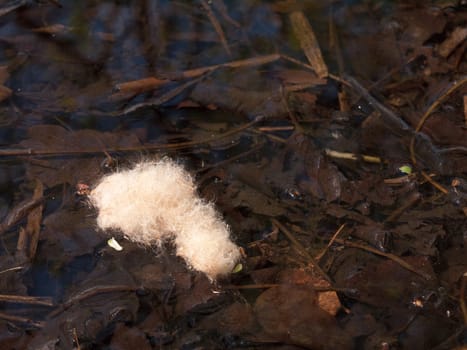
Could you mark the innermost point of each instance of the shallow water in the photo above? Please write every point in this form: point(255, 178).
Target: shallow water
point(252, 125)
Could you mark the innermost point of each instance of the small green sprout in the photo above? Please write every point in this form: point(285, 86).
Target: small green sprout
point(237, 268)
point(406, 169)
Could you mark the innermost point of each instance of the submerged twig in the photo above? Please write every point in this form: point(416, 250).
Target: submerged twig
point(275, 285)
point(90, 292)
point(153, 147)
point(217, 26)
point(164, 98)
point(248, 62)
point(414, 198)
point(22, 299)
point(434, 183)
point(389, 256)
point(456, 85)
point(352, 156)
point(299, 247)
point(331, 242)
point(16, 268)
point(391, 119)
point(19, 319)
point(76, 340)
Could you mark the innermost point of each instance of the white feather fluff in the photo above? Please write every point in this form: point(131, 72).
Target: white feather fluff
point(155, 201)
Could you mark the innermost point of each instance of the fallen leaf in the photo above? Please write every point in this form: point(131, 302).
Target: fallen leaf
point(290, 314)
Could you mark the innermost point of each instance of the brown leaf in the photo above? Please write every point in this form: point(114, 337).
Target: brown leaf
point(290, 314)
point(310, 46)
point(328, 300)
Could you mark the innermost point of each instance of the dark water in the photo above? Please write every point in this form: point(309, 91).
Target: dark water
point(64, 63)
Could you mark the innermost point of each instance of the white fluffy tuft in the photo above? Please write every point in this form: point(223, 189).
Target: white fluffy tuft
point(155, 201)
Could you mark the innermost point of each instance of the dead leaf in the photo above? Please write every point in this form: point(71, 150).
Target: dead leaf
point(328, 300)
point(305, 34)
point(289, 314)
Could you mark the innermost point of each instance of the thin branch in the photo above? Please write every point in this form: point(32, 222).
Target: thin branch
point(22, 299)
point(217, 26)
point(331, 242)
point(153, 147)
point(299, 247)
point(19, 319)
point(90, 292)
point(389, 256)
point(456, 85)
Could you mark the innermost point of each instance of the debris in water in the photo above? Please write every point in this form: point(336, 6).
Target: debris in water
point(156, 201)
point(112, 242)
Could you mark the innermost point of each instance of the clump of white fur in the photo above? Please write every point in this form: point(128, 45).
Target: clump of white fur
point(155, 201)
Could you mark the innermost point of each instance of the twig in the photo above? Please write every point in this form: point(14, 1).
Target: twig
point(276, 128)
point(389, 117)
point(331, 242)
point(76, 340)
point(19, 319)
point(22, 299)
point(150, 83)
point(252, 286)
point(399, 180)
point(232, 159)
point(414, 198)
point(161, 146)
point(217, 26)
point(253, 61)
point(434, 183)
point(299, 247)
point(16, 268)
point(141, 85)
point(456, 85)
point(352, 156)
point(163, 98)
point(275, 285)
point(88, 293)
point(389, 256)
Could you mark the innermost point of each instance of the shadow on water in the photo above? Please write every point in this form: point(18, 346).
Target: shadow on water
point(330, 135)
